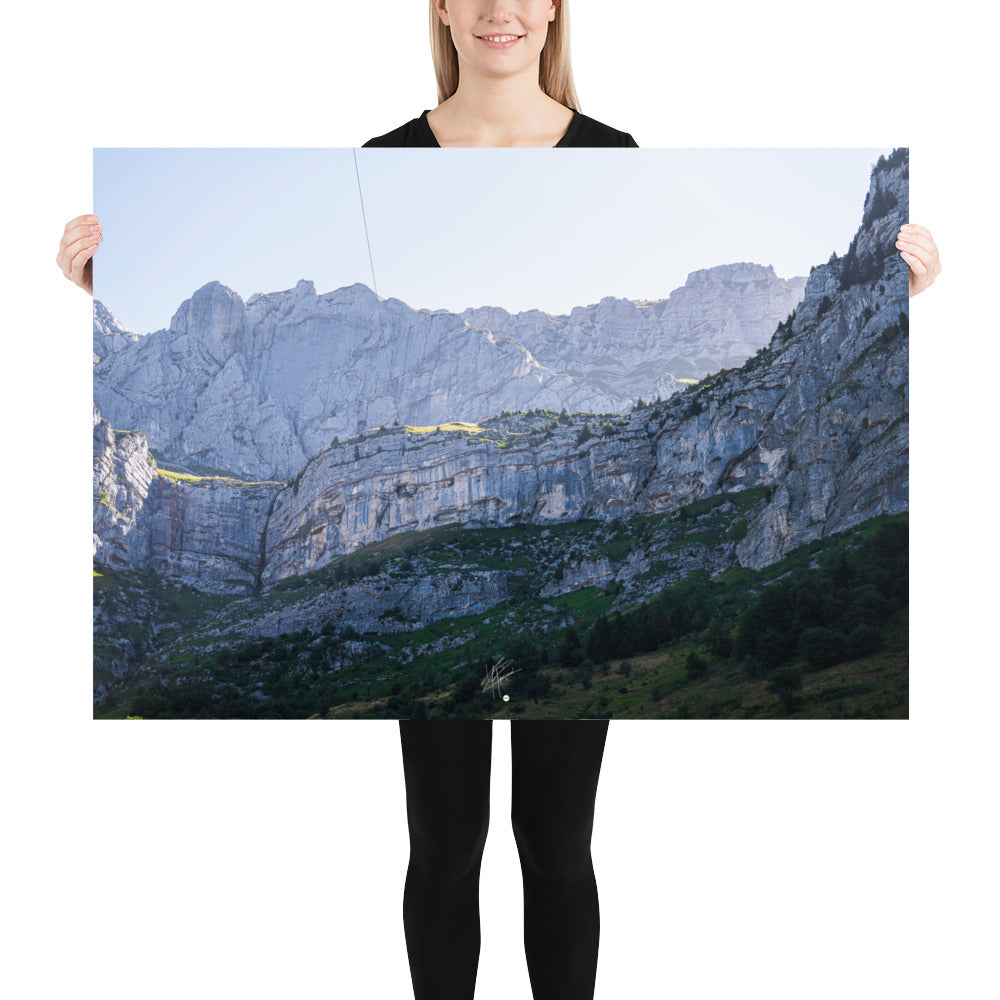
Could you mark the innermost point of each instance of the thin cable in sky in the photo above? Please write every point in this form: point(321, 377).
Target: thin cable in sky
point(371, 263)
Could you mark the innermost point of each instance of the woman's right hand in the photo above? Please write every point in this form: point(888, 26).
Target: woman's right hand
point(76, 248)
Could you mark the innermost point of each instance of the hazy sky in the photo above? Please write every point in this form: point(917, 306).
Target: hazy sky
point(519, 228)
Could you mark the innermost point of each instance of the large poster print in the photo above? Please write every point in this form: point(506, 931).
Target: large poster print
point(501, 434)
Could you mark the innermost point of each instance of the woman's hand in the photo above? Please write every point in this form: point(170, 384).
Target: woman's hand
point(917, 248)
point(76, 248)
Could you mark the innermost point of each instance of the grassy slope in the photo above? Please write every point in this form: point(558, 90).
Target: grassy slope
point(658, 686)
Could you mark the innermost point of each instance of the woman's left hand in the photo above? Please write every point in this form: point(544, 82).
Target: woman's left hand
point(916, 246)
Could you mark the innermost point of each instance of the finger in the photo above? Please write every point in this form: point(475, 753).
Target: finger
point(916, 264)
point(88, 245)
point(79, 262)
point(921, 253)
point(81, 220)
point(918, 234)
point(90, 239)
point(907, 241)
point(68, 253)
point(78, 224)
point(914, 228)
point(71, 235)
point(928, 255)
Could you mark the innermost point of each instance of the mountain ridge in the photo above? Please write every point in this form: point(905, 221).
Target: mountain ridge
point(257, 388)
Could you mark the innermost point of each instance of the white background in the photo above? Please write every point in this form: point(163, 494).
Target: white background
point(252, 860)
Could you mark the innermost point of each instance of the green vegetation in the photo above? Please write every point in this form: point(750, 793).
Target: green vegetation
point(453, 425)
point(829, 617)
point(900, 155)
point(188, 479)
point(862, 267)
point(878, 206)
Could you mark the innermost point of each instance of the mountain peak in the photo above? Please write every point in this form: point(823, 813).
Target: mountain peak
point(741, 272)
point(213, 314)
point(107, 323)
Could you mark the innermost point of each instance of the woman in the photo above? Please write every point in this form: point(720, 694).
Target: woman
point(504, 79)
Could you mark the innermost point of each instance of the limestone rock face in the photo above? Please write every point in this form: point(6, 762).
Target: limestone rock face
point(821, 414)
point(209, 535)
point(383, 604)
point(206, 532)
point(258, 388)
point(124, 474)
point(843, 423)
point(717, 319)
point(400, 481)
point(585, 573)
point(109, 334)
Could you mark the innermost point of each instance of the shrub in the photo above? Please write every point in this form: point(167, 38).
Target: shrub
point(718, 641)
point(785, 682)
point(822, 647)
point(868, 606)
point(863, 639)
point(695, 666)
point(467, 687)
point(751, 667)
point(773, 648)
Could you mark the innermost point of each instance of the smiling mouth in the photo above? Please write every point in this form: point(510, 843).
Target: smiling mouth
point(499, 39)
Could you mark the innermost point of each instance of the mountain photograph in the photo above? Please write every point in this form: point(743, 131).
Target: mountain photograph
point(350, 505)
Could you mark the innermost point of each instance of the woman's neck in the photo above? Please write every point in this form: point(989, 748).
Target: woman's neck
point(513, 111)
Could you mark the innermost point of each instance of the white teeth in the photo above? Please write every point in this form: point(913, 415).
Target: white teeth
point(500, 38)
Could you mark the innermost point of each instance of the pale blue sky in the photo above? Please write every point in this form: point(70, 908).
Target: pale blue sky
point(518, 228)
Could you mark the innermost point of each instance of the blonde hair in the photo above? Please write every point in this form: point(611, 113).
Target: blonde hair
point(555, 74)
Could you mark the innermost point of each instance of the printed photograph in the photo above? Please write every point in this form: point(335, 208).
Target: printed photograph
point(500, 433)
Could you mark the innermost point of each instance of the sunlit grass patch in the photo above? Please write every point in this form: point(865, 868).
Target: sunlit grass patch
point(452, 425)
point(187, 478)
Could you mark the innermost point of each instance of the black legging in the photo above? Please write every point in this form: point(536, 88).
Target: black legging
point(555, 767)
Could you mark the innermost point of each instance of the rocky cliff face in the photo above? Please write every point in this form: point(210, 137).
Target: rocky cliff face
point(257, 389)
point(205, 531)
point(123, 475)
point(109, 334)
point(818, 417)
point(385, 604)
point(836, 444)
point(717, 319)
point(395, 481)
